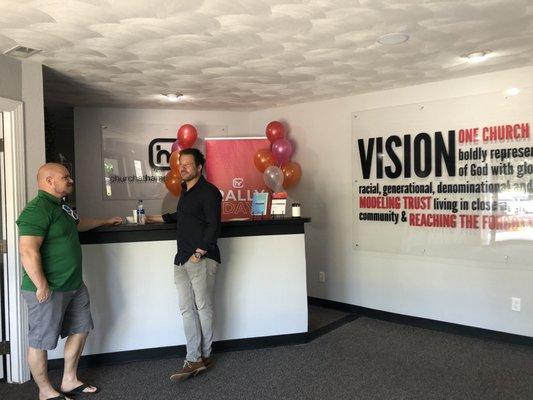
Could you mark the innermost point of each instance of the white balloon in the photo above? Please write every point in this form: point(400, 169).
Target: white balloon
point(273, 177)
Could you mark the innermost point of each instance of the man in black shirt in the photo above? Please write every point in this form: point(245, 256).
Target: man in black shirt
point(198, 227)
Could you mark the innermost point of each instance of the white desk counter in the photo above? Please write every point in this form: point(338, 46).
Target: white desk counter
point(260, 288)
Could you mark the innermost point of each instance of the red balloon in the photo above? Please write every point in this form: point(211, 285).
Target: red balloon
point(292, 172)
point(263, 159)
point(173, 183)
point(275, 131)
point(175, 162)
point(187, 135)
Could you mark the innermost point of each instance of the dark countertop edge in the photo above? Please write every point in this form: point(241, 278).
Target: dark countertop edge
point(172, 226)
point(155, 232)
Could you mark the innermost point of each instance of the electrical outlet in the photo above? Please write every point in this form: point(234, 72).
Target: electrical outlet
point(322, 276)
point(516, 304)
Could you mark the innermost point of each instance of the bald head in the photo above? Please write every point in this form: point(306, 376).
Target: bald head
point(54, 179)
point(48, 170)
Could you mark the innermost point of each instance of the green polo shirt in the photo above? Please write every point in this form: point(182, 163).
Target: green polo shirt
point(60, 250)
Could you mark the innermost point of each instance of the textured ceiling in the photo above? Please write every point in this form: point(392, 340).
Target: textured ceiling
point(249, 54)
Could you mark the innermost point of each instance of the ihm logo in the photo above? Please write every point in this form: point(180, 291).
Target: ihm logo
point(159, 153)
point(238, 183)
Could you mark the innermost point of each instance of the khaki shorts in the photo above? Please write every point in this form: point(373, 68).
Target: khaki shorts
point(62, 314)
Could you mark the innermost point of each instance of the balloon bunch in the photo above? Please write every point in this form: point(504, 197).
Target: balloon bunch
point(186, 137)
point(279, 172)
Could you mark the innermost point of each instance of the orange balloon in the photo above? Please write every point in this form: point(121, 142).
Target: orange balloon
point(263, 159)
point(292, 172)
point(173, 183)
point(175, 162)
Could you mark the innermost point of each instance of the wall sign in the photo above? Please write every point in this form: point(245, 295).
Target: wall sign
point(450, 178)
point(135, 158)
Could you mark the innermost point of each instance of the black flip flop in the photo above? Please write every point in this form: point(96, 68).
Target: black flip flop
point(60, 397)
point(78, 391)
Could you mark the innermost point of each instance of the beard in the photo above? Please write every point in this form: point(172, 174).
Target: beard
point(189, 177)
point(64, 190)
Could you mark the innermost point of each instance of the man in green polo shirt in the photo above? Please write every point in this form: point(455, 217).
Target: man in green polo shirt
point(52, 285)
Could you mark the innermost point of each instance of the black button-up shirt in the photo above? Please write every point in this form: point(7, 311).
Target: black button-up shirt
point(198, 221)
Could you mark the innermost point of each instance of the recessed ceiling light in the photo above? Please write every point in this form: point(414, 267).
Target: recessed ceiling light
point(512, 92)
point(173, 96)
point(393, 38)
point(476, 56)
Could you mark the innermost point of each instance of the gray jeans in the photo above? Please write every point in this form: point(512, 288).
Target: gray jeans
point(196, 285)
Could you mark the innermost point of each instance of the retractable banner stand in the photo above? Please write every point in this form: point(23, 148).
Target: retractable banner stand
point(230, 166)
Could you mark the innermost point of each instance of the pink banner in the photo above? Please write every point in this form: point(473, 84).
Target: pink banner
point(230, 166)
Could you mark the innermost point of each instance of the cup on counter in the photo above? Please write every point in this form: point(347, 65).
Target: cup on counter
point(134, 212)
point(130, 220)
point(296, 210)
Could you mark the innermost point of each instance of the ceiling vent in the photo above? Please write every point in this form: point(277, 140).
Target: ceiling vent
point(21, 52)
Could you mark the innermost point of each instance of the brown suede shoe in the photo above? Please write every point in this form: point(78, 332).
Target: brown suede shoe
point(189, 369)
point(208, 361)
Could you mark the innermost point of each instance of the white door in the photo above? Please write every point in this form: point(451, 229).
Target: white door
point(3, 251)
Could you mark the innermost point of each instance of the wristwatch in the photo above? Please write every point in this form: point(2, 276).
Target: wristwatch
point(198, 255)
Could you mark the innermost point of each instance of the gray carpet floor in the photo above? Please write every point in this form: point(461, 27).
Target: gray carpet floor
point(363, 359)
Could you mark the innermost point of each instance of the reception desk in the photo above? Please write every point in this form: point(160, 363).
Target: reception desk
point(260, 290)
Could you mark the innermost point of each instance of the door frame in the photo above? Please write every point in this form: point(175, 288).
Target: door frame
point(3, 317)
point(15, 189)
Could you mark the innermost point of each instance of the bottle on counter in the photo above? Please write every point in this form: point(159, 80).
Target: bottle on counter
point(141, 217)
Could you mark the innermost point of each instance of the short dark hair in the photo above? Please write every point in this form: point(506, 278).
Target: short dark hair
point(199, 158)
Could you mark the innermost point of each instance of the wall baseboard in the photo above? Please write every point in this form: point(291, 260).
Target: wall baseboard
point(424, 323)
point(160, 353)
